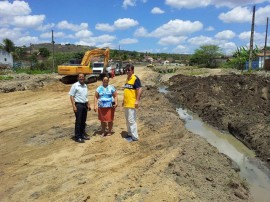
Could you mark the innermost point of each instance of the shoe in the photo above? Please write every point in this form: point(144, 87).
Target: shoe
point(79, 140)
point(86, 137)
point(134, 139)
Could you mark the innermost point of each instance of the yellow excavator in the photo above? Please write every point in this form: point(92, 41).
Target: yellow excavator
point(70, 71)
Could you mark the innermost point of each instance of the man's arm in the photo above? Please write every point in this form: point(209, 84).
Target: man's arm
point(73, 103)
point(139, 92)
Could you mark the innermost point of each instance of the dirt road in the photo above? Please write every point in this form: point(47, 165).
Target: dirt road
point(40, 162)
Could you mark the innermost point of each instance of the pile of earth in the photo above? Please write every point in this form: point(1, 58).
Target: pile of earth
point(22, 82)
point(236, 103)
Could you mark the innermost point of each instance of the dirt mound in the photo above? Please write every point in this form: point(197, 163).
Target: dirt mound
point(237, 103)
point(22, 82)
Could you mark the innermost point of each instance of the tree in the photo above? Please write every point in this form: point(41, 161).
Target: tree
point(8, 45)
point(205, 55)
point(19, 53)
point(44, 52)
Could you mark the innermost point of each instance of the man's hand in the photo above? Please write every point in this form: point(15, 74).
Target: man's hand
point(75, 108)
point(136, 104)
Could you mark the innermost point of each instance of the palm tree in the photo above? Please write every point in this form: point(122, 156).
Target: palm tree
point(7, 45)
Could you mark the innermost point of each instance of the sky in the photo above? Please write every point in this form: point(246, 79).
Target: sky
point(156, 26)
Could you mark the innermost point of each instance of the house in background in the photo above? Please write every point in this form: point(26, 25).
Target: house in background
point(6, 59)
point(261, 60)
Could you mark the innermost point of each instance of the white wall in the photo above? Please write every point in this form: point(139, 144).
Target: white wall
point(261, 61)
point(6, 58)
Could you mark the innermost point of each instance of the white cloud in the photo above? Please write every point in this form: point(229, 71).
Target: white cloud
point(226, 34)
point(244, 14)
point(235, 3)
point(210, 28)
point(66, 25)
point(14, 9)
point(26, 40)
point(97, 41)
point(83, 34)
point(187, 3)
point(261, 15)
point(125, 23)
point(128, 41)
point(28, 21)
point(259, 38)
point(246, 36)
point(228, 47)
point(177, 28)
point(238, 14)
point(104, 27)
point(141, 32)
point(46, 27)
point(55, 34)
point(202, 40)
point(103, 38)
point(86, 43)
point(157, 10)
point(171, 40)
point(204, 3)
point(127, 3)
point(121, 23)
point(9, 33)
point(180, 49)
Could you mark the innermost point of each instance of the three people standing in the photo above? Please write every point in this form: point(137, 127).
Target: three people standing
point(105, 103)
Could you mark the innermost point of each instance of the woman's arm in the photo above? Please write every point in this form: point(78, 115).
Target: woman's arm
point(115, 96)
point(96, 101)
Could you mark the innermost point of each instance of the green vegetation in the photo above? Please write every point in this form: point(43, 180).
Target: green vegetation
point(4, 77)
point(32, 71)
point(240, 57)
point(205, 56)
point(7, 45)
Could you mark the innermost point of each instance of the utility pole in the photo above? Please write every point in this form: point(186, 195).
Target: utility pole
point(265, 44)
point(251, 41)
point(30, 51)
point(52, 52)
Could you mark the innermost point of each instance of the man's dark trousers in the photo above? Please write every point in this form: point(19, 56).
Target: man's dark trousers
point(81, 116)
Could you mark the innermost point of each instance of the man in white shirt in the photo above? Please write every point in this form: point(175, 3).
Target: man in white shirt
point(79, 100)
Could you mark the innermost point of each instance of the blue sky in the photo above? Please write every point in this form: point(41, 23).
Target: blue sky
point(167, 26)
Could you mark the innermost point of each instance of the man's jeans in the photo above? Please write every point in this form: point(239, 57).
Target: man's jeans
point(81, 116)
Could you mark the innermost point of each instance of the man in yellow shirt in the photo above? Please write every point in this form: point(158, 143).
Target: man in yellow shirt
point(132, 94)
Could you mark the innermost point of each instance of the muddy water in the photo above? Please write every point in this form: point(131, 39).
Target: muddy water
point(251, 169)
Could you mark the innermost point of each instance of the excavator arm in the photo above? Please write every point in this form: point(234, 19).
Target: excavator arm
point(96, 52)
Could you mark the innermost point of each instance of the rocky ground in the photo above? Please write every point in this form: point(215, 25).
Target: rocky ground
point(39, 161)
point(237, 103)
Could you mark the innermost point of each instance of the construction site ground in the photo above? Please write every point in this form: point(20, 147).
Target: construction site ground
point(39, 160)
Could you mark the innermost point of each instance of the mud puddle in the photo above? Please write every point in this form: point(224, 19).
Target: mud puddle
point(251, 169)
